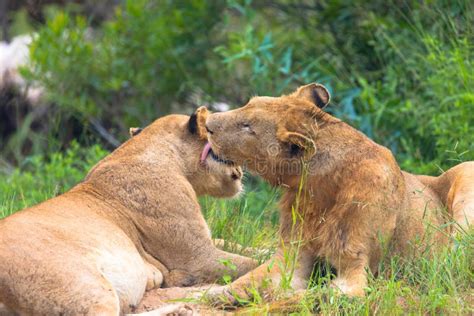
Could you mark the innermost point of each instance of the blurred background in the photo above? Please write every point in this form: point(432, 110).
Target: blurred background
point(76, 74)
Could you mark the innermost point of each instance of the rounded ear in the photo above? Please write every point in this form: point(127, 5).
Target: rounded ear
point(134, 131)
point(197, 122)
point(298, 143)
point(315, 93)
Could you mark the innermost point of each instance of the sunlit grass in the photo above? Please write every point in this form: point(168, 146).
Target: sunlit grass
point(442, 284)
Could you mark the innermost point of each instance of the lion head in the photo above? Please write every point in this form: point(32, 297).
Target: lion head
point(272, 136)
point(168, 153)
point(209, 174)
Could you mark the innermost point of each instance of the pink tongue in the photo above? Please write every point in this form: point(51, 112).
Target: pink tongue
point(205, 151)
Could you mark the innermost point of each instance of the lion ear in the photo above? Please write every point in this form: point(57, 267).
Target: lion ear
point(197, 122)
point(315, 93)
point(134, 131)
point(298, 144)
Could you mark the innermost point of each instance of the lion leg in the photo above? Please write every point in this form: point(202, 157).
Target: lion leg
point(455, 188)
point(242, 264)
point(209, 267)
point(269, 276)
point(179, 309)
point(157, 298)
point(222, 263)
point(154, 277)
point(103, 309)
point(351, 277)
point(235, 247)
point(96, 296)
point(269, 271)
point(156, 271)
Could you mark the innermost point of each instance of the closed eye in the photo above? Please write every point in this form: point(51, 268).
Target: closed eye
point(246, 127)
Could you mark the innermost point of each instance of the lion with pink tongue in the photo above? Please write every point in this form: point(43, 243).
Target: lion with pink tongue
point(132, 225)
point(346, 201)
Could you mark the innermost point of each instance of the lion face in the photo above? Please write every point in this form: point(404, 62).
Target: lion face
point(221, 180)
point(180, 140)
point(271, 136)
point(209, 174)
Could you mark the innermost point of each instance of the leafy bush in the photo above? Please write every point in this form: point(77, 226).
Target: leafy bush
point(131, 70)
point(421, 104)
point(400, 72)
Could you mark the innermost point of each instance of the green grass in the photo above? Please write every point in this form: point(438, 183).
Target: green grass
point(40, 178)
point(440, 285)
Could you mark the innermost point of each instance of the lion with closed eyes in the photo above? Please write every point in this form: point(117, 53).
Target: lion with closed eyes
point(350, 197)
point(345, 199)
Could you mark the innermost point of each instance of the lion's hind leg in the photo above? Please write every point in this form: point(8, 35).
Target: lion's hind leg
point(460, 199)
point(55, 293)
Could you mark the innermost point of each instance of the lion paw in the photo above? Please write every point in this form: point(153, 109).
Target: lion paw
point(154, 279)
point(346, 288)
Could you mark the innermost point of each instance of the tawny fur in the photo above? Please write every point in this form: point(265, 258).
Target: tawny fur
point(345, 198)
point(133, 224)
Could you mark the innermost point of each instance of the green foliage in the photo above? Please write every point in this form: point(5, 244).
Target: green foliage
point(400, 72)
point(40, 177)
point(60, 57)
point(133, 68)
point(451, 82)
point(251, 218)
point(403, 76)
point(420, 105)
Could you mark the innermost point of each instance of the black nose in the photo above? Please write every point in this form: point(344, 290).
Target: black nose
point(208, 130)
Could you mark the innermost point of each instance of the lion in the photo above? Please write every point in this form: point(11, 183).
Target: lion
point(346, 201)
point(133, 224)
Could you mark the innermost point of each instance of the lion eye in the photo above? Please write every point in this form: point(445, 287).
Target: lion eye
point(246, 127)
